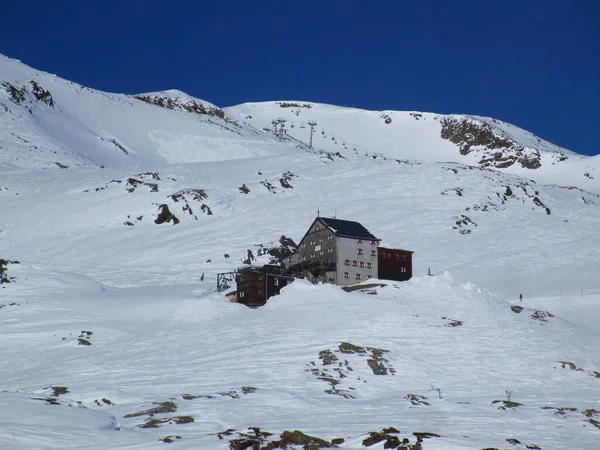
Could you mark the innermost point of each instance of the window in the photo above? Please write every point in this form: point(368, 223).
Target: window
point(361, 264)
point(397, 256)
point(330, 237)
point(346, 275)
point(276, 281)
point(261, 277)
point(313, 256)
point(329, 250)
point(261, 291)
point(403, 269)
point(369, 277)
point(357, 276)
point(290, 259)
point(369, 266)
point(373, 242)
point(242, 294)
point(322, 240)
point(359, 251)
point(354, 264)
point(322, 253)
point(312, 242)
point(373, 252)
point(303, 245)
point(318, 228)
point(346, 262)
point(303, 258)
point(360, 241)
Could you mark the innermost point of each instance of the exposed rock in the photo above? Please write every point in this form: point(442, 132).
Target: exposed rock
point(42, 94)
point(177, 104)
point(293, 105)
point(504, 404)
point(119, 146)
point(570, 364)
point(285, 179)
point(299, 438)
point(278, 252)
point(498, 151)
point(17, 95)
point(542, 316)
point(417, 400)
point(539, 203)
point(161, 408)
point(462, 222)
point(4, 278)
point(333, 370)
point(165, 215)
point(169, 439)
point(269, 186)
point(59, 390)
point(377, 437)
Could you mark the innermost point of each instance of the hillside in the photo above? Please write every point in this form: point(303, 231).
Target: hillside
point(472, 140)
point(113, 334)
point(51, 122)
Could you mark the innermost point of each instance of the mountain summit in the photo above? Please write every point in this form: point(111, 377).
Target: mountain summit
point(53, 122)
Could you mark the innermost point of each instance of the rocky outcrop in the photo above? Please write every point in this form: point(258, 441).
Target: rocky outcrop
point(19, 95)
point(41, 94)
point(496, 151)
point(179, 104)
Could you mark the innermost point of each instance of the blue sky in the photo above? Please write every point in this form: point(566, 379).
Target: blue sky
point(532, 63)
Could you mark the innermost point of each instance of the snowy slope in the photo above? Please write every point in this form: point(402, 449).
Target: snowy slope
point(51, 122)
point(169, 359)
point(160, 331)
point(427, 137)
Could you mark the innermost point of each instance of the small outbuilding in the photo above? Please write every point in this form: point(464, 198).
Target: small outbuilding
point(255, 285)
point(394, 264)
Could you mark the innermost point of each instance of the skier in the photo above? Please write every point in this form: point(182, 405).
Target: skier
point(521, 297)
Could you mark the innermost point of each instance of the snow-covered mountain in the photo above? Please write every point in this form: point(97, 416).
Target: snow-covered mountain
point(51, 122)
point(472, 140)
point(117, 212)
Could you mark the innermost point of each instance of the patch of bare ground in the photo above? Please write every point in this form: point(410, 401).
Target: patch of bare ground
point(506, 404)
point(417, 400)
point(4, 278)
point(170, 439)
point(338, 372)
point(234, 393)
point(161, 408)
point(593, 417)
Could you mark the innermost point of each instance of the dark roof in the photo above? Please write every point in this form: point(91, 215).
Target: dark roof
point(394, 249)
point(347, 228)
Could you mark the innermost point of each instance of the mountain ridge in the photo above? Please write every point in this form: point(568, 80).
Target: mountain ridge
point(53, 122)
